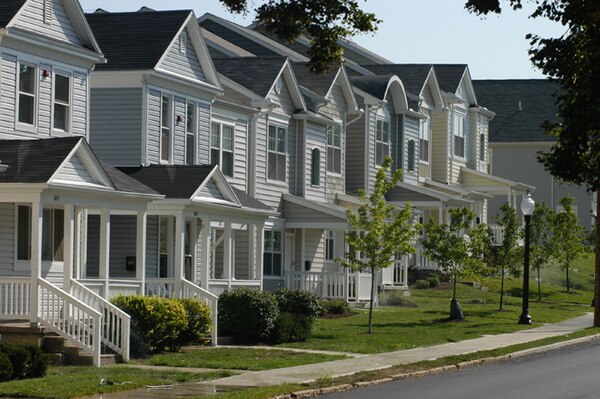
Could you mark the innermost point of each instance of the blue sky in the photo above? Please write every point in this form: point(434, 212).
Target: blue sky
point(423, 31)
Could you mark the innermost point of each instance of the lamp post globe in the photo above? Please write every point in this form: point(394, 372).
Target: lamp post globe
point(527, 208)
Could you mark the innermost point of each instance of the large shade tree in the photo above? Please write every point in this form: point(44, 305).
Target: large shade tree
point(573, 60)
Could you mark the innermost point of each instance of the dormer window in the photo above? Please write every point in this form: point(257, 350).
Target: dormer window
point(48, 11)
point(459, 135)
point(424, 136)
point(382, 141)
point(334, 149)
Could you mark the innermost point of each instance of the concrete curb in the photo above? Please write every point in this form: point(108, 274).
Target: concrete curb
point(312, 393)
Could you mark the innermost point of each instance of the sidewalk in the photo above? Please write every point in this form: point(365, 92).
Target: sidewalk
point(338, 368)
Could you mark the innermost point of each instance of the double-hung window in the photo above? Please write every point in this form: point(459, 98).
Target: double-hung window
point(315, 167)
point(411, 155)
point(221, 147)
point(276, 153)
point(329, 245)
point(27, 94)
point(165, 129)
point(190, 133)
point(272, 257)
point(382, 141)
point(334, 149)
point(52, 234)
point(424, 135)
point(482, 147)
point(62, 102)
point(459, 135)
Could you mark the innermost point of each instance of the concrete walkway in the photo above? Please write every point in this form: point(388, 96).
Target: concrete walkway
point(338, 368)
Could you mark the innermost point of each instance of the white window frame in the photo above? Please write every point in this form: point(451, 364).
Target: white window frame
point(332, 167)
point(168, 127)
point(381, 144)
point(276, 151)
point(459, 135)
point(191, 130)
point(68, 105)
point(35, 95)
point(218, 146)
point(269, 250)
point(424, 140)
point(49, 219)
point(329, 246)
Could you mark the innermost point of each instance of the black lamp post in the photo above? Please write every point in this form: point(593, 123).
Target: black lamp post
point(527, 207)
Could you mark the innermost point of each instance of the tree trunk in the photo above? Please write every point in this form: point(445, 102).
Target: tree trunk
point(539, 285)
point(501, 289)
point(454, 281)
point(567, 269)
point(597, 266)
point(370, 330)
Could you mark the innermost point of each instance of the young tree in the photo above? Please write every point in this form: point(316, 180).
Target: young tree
point(323, 22)
point(381, 231)
point(458, 248)
point(573, 60)
point(540, 240)
point(568, 237)
point(507, 258)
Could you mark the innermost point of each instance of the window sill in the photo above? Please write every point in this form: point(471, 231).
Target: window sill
point(277, 183)
point(334, 174)
point(422, 162)
point(26, 127)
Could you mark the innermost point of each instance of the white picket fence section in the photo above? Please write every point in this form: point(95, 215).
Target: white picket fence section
point(497, 233)
point(359, 287)
point(116, 324)
point(15, 297)
point(77, 322)
point(329, 285)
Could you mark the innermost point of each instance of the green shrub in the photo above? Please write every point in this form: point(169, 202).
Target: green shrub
point(39, 362)
point(422, 284)
point(26, 361)
point(291, 328)
point(199, 324)
point(433, 281)
point(334, 306)
point(395, 298)
point(247, 315)
point(159, 321)
point(298, 302)
point(6, 370)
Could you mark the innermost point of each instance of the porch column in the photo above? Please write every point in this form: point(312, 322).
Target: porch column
point(205, 253)
point(515, 199)
point(104, 258)
point(37, 215)
point(68, 246)
point(77, 247)
point(260, 250)
point(228, 253)
point(179, 252)
point(440, 214)
point(251, 252)
point(140, 249)
point(194, 250)
point(509, 197)
point(303, 251)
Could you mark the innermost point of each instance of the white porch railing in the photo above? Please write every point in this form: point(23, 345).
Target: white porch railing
point(115, 323)
point(70, 318)
point(396, 275)
point(161, 287)
point(191, 290)
point(359, 287)
point(422, 261)
point(217, 287)
point(497, 233)
point(15, 297)
point(330, 285)
point(116, 287)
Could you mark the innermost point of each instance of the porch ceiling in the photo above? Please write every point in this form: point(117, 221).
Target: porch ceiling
point(490, 184)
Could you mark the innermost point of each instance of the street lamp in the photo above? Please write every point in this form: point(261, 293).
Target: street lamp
point(527, 208)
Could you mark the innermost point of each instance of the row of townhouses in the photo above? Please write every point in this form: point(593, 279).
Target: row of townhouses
point(158, 153)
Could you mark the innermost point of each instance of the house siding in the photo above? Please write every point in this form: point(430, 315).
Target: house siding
point(183, 63)
point(336, 108)
point(79, 116)
point(316, 138)
point(241, 250)
point(61, 29)
point(204, 111)
point(240, 150)
point(179, 130)
point(153, 127)
point(7, 238)
point(355, 155)
point(75, 171)
point(116, 125)
point(411, 132)
point(439, 147)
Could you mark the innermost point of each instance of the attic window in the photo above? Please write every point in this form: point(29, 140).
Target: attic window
point(48, 11)
point(182, 42)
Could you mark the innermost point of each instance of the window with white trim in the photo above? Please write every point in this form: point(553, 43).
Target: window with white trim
point(221, 147)
point(272, 258)
point(276, 153)
point(334, 149)
point(165, 128)
point(62, 102)
point(459, 135)
point(27, 94)
point(52, 234)
point(411, 155)
point(190, 133)
point(382, 141)
point(329, 245)
point(482, 147)
point(424, 137)
point(315, 167)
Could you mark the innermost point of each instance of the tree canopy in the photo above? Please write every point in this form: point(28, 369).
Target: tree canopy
point(323, 23)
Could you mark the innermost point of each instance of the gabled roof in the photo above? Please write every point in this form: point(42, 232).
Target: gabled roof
point(317, 83)
point(413, 76)
point(521, 106)
point(8, 9)
point(135, 40)
point(123, 182)
point(373, 85)
point(254, 73)
point(449, 76)
point(248, 201)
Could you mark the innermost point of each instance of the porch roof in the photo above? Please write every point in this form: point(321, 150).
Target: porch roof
point(422, 197)
point(303, 213)
point(490, 184)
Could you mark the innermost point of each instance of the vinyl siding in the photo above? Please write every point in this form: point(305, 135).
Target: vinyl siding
point(204, 111)
point(44, 101)
point(8, 84)
point(75, 171)
point(79, 115)
point(7, 238)
point(411, 132)
point(300, 181)
point(240, 151)
point(241, 250)
point(355, 155)
point(300, 213)
point(179, 131)
point(122, 244)
point(283, 100)
point(425, 168)
point(31, 19)
point(183, 63)
point(314, 248)
point(316, 138)
point(152, 246)
point(336, 109)
point(116, 125)
point(439, 146)
point(153, 127)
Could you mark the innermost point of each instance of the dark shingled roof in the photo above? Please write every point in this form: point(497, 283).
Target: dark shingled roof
point(8, 9)
point(135, 40)
point(317, 83)
point(373, 85)
point(449, 76)
point(511, 124)
point(413, 76)
point(249, 201)
point(173, 181)
point(257, 74)
point(124, 183)
point(34, 161)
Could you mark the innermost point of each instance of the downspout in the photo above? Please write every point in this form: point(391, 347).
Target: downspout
point(367, 164)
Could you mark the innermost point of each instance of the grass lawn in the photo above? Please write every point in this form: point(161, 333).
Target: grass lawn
point(69, 382)
point(239, 358)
